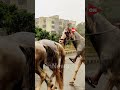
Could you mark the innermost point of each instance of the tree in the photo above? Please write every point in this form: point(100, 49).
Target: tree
point(14, 20)
point(81, 28)
point(43, 34)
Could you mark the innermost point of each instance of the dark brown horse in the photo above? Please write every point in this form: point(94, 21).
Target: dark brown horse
point(49, 55)
point(14, 73)
point(105, 38)
point(27, 49)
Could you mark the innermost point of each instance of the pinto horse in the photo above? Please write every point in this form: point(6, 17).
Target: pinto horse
point(49, 55)
point(15, 65)
point(79, 44)
point(105, 38)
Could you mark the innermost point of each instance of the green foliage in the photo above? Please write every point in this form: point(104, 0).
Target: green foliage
point(14, 20)
point(81, 28)
point(43, 34)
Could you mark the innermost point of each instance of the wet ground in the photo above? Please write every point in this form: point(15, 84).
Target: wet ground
point(68, 72)
point(80, 84)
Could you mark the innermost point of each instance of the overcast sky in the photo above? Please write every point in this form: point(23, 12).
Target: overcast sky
point(66, 9)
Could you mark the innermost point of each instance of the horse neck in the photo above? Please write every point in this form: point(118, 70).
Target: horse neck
point(77, 39)
point(102, 24)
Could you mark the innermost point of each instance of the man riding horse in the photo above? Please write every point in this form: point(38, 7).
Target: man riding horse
point(78, 41)
point(70, 34)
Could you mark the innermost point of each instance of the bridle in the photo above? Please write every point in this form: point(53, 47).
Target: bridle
point(99, 33)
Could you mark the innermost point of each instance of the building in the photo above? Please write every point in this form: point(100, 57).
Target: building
point(52, 24)
point(29, 5)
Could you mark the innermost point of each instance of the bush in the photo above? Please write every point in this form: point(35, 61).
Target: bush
point(43, 34)
point(14, 20)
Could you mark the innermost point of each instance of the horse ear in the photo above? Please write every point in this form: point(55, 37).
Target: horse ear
point(45, 46)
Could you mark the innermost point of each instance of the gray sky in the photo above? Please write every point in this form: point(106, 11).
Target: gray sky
point(66, 9)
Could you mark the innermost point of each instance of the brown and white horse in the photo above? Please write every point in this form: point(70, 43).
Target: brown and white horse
point(48, 52)
point(79, 44)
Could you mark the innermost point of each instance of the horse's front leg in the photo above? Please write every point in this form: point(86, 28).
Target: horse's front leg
point(76, 71)
point(52, 76)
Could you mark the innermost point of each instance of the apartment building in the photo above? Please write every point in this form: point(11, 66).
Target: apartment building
point(22, 4)
point(52, 24)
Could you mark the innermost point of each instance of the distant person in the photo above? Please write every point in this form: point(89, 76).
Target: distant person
point(70, 29)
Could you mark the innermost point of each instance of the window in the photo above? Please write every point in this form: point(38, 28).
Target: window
point(53, 22)
point(53, 27)
point(60, 28)
point(60, 23)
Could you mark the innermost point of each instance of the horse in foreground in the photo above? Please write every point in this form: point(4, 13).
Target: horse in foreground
point(16, 60)
point(48, 52)
point(40, 57)
point(105, 38)
point(79, 44)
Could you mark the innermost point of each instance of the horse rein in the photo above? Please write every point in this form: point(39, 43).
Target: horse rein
point(100, 32)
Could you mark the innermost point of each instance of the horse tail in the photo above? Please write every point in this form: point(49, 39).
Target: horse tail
point(59, 81)
point(62, 54)
point(62, 62)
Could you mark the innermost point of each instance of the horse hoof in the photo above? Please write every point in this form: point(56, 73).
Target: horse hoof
point(55, 87)
point(74, 79)
point(51, 86)
point(50, 80)
point(71, 83)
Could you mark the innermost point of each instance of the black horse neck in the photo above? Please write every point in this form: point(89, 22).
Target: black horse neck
point(104, 29)
point(76, 40)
